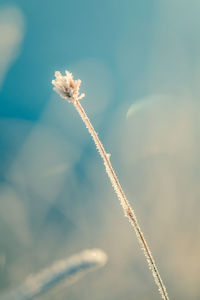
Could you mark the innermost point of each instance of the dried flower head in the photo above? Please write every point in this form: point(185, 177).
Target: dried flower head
point(67, 87)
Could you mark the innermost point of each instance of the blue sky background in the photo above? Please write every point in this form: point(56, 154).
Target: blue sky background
point(140, 69)
point(61, 34)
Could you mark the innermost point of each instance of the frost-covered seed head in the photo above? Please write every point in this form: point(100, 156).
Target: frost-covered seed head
point(67, 87)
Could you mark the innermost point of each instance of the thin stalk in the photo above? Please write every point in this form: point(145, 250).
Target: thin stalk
point(129, 212)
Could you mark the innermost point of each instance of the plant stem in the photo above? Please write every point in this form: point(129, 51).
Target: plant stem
point(129, 212)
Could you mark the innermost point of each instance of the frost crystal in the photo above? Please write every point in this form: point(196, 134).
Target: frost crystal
point(67, 87)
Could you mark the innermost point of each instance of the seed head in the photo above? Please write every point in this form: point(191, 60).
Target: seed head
point(67, 87)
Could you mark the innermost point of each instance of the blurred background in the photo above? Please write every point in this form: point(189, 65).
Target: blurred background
point(140, 69)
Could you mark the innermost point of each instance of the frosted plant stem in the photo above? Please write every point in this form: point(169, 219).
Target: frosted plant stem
point(68, 89)
point(129, 212)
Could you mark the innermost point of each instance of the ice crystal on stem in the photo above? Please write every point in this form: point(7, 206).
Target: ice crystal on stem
point(67, 87)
